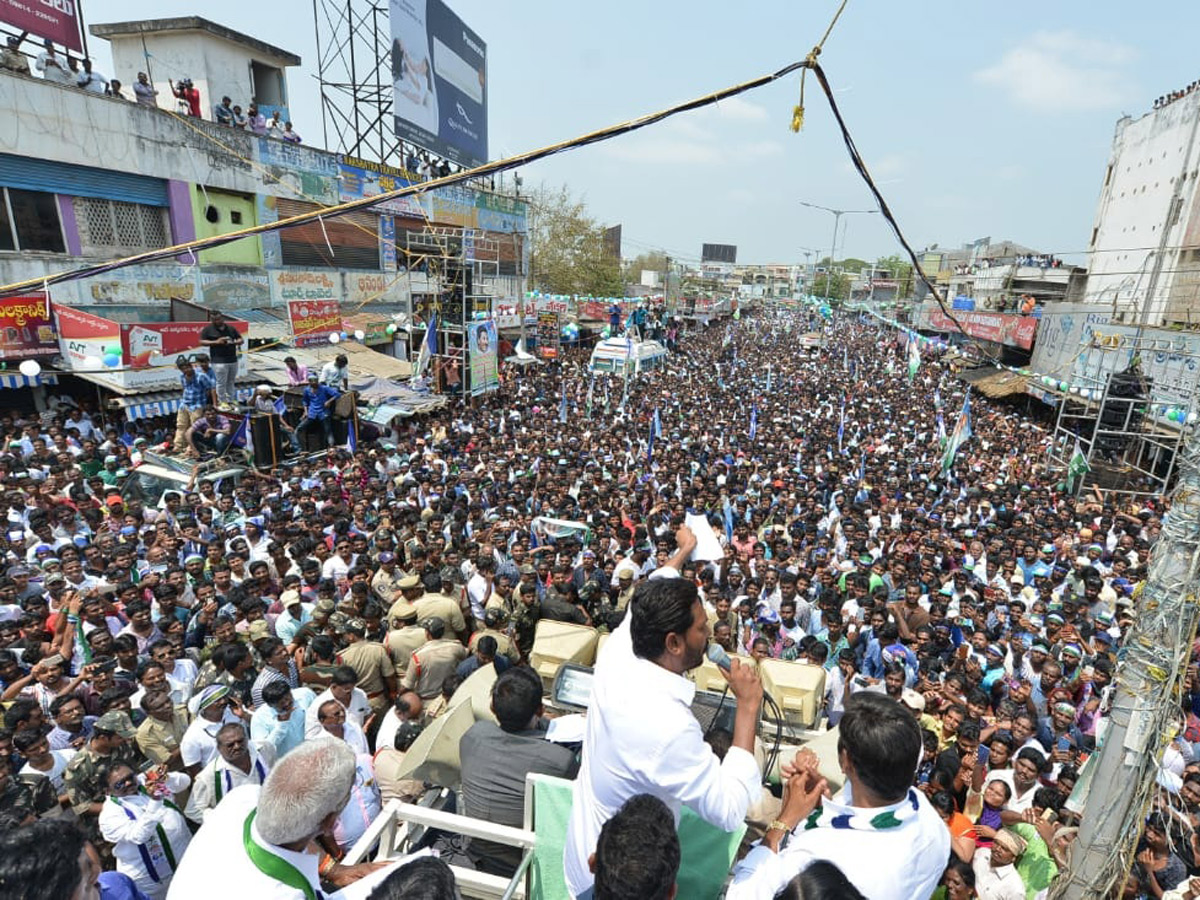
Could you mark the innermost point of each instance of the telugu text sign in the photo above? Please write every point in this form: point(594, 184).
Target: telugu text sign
point(26, 327)
point(1015, 331)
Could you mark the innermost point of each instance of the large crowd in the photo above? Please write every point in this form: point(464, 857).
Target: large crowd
point(155, 660)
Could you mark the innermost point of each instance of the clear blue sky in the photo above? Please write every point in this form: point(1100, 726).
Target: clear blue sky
point(976, 119)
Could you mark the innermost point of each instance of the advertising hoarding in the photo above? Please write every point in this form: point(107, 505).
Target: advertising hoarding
point(26, 328)
point(483, 357)
point(1014, 331)
point(54, 19)
point(439, 72)
point(547, 335)
point(313, 321)
point(721, 253)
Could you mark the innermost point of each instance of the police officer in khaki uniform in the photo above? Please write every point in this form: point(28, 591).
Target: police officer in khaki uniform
point(495, 624)
point(405, 637)
point(434, 661)
point(372, 664)
point(386, 582)
point(438, 605)
point(410, 590)
point(159, 735)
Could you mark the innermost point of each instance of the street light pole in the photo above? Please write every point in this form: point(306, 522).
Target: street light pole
point(837, 218)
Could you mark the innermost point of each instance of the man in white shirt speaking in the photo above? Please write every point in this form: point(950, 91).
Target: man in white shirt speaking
point(642, 737)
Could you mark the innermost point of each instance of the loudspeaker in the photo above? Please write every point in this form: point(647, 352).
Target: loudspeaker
point(797, 688)
point(555, 643)
point(270, 443)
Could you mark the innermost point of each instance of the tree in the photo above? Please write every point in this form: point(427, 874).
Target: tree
point(567, 252)
point(651, 261)
point(901, 271)
point(836, 289)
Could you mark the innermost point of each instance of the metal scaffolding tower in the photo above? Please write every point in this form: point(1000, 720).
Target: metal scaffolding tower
point(1121, 388)
point(354, 70)
point(464, 262)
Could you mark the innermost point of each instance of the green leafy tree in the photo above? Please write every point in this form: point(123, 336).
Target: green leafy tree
point(902, 273)
point(567, 252)
point(652, 261)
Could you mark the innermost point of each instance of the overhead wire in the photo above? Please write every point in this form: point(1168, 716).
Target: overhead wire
point(460, 177)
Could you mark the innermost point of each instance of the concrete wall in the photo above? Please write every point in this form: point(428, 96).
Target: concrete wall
point(1152, 167)
point(217, 67)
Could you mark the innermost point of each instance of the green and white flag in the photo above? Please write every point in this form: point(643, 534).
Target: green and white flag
point(914, 358)
point(1077, 466)
point(959, 436)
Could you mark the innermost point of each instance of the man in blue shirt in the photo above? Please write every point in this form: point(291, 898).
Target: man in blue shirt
point(318, 398)
point(197, 393)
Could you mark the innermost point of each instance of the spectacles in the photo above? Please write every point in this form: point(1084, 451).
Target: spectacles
point(126, 782)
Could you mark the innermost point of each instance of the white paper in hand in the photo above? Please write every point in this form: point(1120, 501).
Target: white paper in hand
point(708, 547)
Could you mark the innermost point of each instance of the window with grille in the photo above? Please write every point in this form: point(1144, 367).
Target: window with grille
point(106, 225)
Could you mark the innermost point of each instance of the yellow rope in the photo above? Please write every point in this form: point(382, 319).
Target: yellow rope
point(810, 61)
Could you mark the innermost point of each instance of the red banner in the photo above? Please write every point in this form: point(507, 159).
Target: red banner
point(314, 320)
point(158, 343)
point(1015, 331)
point(54, 19)
point(26, 327)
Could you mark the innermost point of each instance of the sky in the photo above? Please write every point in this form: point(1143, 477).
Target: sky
point(975, 120)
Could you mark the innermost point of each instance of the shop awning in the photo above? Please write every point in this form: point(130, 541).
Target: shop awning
point(363, 360)
point(163, 403)
point(20, 381)
point(995, 383)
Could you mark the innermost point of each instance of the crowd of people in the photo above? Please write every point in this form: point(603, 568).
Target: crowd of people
point(1170, 97)
point(168, 670)
point(62, 68)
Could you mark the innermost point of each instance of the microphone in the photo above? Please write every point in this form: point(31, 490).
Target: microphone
point(718, 657)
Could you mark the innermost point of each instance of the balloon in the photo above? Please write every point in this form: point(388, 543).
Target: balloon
point(1062, 386)
point(606, 332)
point(30, 368)
point(1192, 418)
point(345, 336)
point(391, 329)
point(334, 338)
point(112, 360)
point(359, 334)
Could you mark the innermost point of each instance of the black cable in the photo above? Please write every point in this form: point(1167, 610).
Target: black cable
point(491, 168)
point(884, 209)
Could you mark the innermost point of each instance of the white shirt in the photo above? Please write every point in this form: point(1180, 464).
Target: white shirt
point(898, 863)
point(477, 589)
point(996, 883)
point(623, 757)
point(199, 743)
point(334, 376)
point(217, 864)
point(61, 758)
point(219, 778)
point(130, 823)
point(356, 712)
point(1024, 801)
point(364, 805)
point(351, 734)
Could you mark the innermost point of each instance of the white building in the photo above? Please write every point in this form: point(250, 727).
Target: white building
point(1144, 253)
point(220, 62)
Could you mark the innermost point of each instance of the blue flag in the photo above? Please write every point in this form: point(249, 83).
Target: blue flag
point(241, 434)
point(753, 422)
point(727, 518)
point(562, 406)
point(655, 431)
point(352, 435)
point(842, 424)
point(280, 406)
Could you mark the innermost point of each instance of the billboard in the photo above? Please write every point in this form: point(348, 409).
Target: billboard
point(483, 356)
point(722, 253)
point(313, 321)
point(439, 71)
point(26, 328)
point(547, 335)
point(54, 19)
point(1013, 331)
